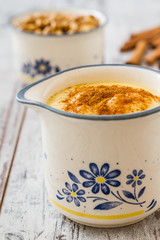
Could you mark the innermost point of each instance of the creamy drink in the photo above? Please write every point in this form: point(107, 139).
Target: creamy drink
point(104, 99)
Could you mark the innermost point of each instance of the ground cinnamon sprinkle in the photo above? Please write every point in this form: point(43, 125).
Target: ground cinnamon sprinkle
point(108, 99)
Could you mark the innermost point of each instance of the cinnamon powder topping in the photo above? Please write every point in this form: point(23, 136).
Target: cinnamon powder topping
point(103, 99)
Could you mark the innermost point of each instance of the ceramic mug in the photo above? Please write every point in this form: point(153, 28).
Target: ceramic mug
point(37, 56)
point(102, 171)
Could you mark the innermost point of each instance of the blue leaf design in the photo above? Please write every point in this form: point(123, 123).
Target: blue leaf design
point(60, 198)
point(128, 194)
point(141, 192)
point(108, 205)
point(97, 199)
point(73, 177)
point(59, 193)
point(151, 203)
point(154, 204)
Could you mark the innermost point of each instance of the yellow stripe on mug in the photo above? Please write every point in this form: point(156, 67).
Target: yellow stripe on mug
point(128, 215)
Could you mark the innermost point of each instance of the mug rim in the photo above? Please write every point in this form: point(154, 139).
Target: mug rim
point(21, 98)
point(90, 11)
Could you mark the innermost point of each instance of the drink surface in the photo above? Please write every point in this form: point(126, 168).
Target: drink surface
point(104, 99)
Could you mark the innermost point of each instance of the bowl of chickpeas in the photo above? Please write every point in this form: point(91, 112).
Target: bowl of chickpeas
point(46, 42)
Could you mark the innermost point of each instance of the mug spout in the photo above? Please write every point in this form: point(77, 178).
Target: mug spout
point(34, 95)
point(27, 96)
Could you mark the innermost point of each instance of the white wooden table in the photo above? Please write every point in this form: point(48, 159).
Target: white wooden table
point(25, 211)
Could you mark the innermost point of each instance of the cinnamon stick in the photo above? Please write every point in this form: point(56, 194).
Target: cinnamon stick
point(138, 53)
point(153, 56)
point(147, 35)
point(155, 41)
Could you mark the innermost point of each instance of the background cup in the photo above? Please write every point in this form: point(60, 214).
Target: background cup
point(37, 56)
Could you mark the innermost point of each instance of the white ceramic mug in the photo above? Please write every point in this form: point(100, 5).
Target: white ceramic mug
point(38, 56)
point(100, 170)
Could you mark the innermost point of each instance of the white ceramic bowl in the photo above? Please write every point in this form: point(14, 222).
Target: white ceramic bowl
point(56, 53)
point(100, 170)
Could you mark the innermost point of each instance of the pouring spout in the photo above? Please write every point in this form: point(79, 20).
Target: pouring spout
point(29, 96)
point(36, 94)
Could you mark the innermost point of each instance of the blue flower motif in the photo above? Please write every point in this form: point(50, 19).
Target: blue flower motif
point(100, 179)
point(135, 178)
point(74, 194)
point(26, 68)
point(42, 67)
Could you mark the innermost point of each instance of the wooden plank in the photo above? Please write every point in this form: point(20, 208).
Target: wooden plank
point(11, 114)
point(8, 146)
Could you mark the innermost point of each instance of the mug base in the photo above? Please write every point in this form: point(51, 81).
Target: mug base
point(107, 226)
point(101, 224)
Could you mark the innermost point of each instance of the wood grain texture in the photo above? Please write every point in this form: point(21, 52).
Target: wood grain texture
point(9, 139)
point(26, 213)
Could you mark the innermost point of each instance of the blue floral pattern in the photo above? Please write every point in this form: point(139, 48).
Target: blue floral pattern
point(136, 178)
point(26, 68)
point(100, 179)
point(42, 67)
point(73, 193)
point(103, 179)
point(39, 67)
